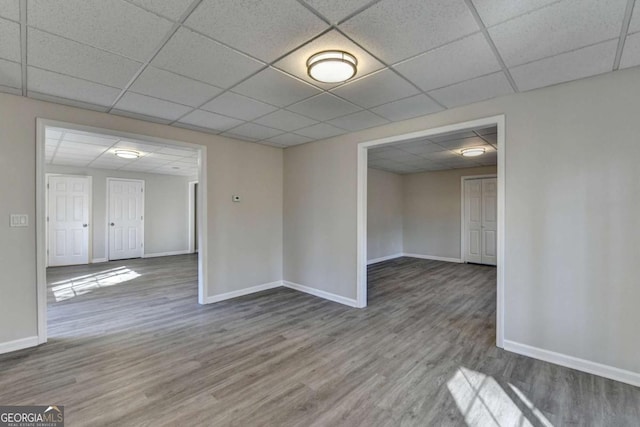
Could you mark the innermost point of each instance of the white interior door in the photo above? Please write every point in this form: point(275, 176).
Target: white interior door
point(480, 220)
point(126, 216)
point(68, 220)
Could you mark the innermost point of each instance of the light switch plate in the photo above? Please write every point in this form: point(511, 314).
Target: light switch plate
point(19, 220)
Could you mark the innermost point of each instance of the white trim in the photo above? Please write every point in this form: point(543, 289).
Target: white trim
point(572, 362)
point(98, 260)
point(322, 294)
point(107, 224)
point(19, 344)
point(41, 246)
point(433, 257)
point(463, 247)
point(243, 292)
point(191, 227)
point(170, 253)
point(384, 258)
point(361, 248)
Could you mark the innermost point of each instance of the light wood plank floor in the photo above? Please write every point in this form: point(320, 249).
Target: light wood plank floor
point(129, 345)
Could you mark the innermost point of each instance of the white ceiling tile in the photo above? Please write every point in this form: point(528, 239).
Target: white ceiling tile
point(395, 30)
point(631, 52)
point(285, 120)
point(451, 136)
point(200, 58)
point(376, 89)
point(403, 109)
point(89, 138)
point(254, 131)
point(118, 27)
point(324, 107)
point(336, 10)
point(279, 26)
point(182, 152)
point(161, 157)
point(153, 107)
point(9, 40)
point(11, 90)
point(296, 62)
point(458, 144)
point(78, 60)
point(453, 63)
point(139, 116)
point(10, 74)
point(140, 147)
point(238, 106)
point(495, 11)
point(573, 65)
point(490, 130)
point(475, 90)
point(491, 139)
point(81, 148)
point(69, 87)
point(441, 156)
point(320, 131)
point(289, 139)
point(10, 9)
point(276, 88)
point(209, 120)
point(173, 87)
point(420, 148)
point(563, 26)
point(634, 25)
point(240, 137)
point(68, 162)
point(358, 121)
point(171, 9)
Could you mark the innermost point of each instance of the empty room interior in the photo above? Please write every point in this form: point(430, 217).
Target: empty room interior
point(320, 212)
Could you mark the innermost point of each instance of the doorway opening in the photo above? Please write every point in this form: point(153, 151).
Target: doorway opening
point(105, 219)
point(433, 171)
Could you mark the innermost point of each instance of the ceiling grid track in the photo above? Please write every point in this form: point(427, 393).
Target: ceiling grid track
point(23, 45)
point(623, 33)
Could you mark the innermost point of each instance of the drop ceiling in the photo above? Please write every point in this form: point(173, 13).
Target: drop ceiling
point(437, 152)
point(237, 68)
point(64, 147)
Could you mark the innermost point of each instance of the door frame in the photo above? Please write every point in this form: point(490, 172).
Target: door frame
point(191, 228)
point(463, 179)
point(361, 202)
point(41, 247)
point(107, 234)
point(90, 220)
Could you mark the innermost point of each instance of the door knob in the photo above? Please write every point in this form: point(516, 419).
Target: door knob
point(112, 224)
point(85, 225)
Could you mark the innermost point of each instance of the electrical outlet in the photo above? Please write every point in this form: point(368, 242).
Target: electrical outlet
point(19, 220)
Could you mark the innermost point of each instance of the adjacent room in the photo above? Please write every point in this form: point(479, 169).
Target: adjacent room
point(320, 212)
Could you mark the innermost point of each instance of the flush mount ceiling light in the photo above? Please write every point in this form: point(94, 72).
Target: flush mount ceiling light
point(332, 66)
point(127, 154)
point(472, 152)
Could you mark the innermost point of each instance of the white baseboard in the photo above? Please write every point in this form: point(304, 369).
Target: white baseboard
point(242, 292)
point(384, 258)
point(159, 254)
point(98, 260)
point(432, 257)
point(322, 294)
point(588, 366)
point(15, 345)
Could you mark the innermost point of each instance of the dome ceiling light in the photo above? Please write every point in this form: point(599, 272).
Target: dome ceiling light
point(472, 152)
point(127, 154)
point(332, 66)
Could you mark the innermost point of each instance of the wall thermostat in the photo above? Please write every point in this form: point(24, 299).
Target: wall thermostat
point(235, 198)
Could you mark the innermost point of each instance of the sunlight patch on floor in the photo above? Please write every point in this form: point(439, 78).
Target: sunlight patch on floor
point(69, 288)
point(483, 402)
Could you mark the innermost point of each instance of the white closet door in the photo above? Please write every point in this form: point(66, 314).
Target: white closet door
point(473, 220)
point(126, 210)
point(489, 221)
point(481, 220)
point(68, 220)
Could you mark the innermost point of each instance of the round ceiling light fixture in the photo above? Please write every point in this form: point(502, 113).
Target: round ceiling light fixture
point(332, 66)
point(472, 152)
point(127, 154)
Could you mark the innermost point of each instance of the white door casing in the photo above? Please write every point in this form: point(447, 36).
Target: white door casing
point(125, 218)
point(68, 220)
point(480, 220)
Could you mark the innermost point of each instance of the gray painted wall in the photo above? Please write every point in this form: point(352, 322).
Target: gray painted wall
point(384, 214)
point(572, 214)
point(244, 239)
point(166, 203)
point(432, 211)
